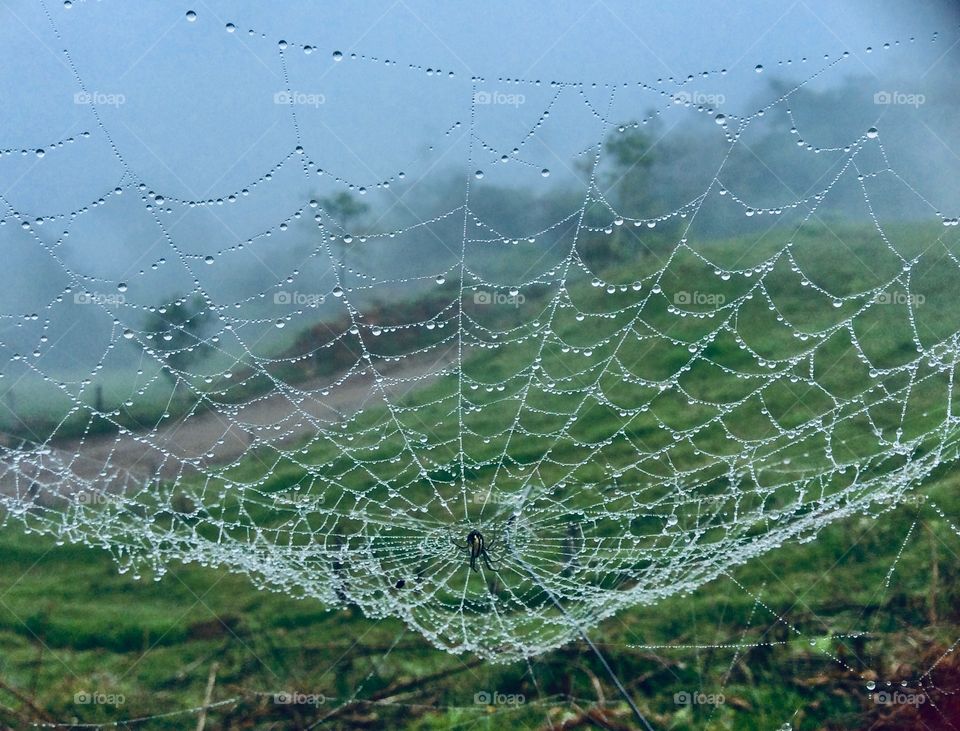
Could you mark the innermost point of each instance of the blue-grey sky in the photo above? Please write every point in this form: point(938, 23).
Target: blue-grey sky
point(171, 99)
point(197, 115)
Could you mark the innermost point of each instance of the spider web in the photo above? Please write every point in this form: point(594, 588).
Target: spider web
point(617, 434)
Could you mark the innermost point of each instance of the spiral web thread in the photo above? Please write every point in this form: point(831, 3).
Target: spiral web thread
point(614, 440)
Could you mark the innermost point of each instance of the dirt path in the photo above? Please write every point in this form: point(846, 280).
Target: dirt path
point(215, 436)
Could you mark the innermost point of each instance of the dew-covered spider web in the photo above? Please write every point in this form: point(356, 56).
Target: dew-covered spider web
point(626, 391)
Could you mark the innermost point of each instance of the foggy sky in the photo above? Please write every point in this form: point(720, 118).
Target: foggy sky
point(191, 111)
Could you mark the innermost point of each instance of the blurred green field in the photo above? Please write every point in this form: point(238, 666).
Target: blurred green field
point(69, 623)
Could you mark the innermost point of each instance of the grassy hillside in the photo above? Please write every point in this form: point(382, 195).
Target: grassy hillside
point(69, 623)
point(792, 637)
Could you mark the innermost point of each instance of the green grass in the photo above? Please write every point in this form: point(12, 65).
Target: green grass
point(69, 622)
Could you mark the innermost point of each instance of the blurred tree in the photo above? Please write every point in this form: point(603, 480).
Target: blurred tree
point(347, 211)
point(629, 152)
point(177, 331)
point(625, 180)
point(344, 208)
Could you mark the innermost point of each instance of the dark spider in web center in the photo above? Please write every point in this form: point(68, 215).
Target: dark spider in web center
point(478, 547)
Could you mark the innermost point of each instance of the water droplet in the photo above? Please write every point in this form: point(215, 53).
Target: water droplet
point(282, 45)
point(478, 174)
point(545, 173)
point(280, 323)
point(337, 55)
point(41, 152)
point(122, 287)
point(231, 27)
point(128, 334)
point(871, 685)
point(758, 68)
point(440, 279)
point(208, 259)
point(872, 133)
point(191, 16)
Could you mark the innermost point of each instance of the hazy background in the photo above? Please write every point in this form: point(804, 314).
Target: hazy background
point(193, 112)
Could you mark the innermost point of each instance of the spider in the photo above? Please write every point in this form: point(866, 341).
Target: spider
point(478, 547)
